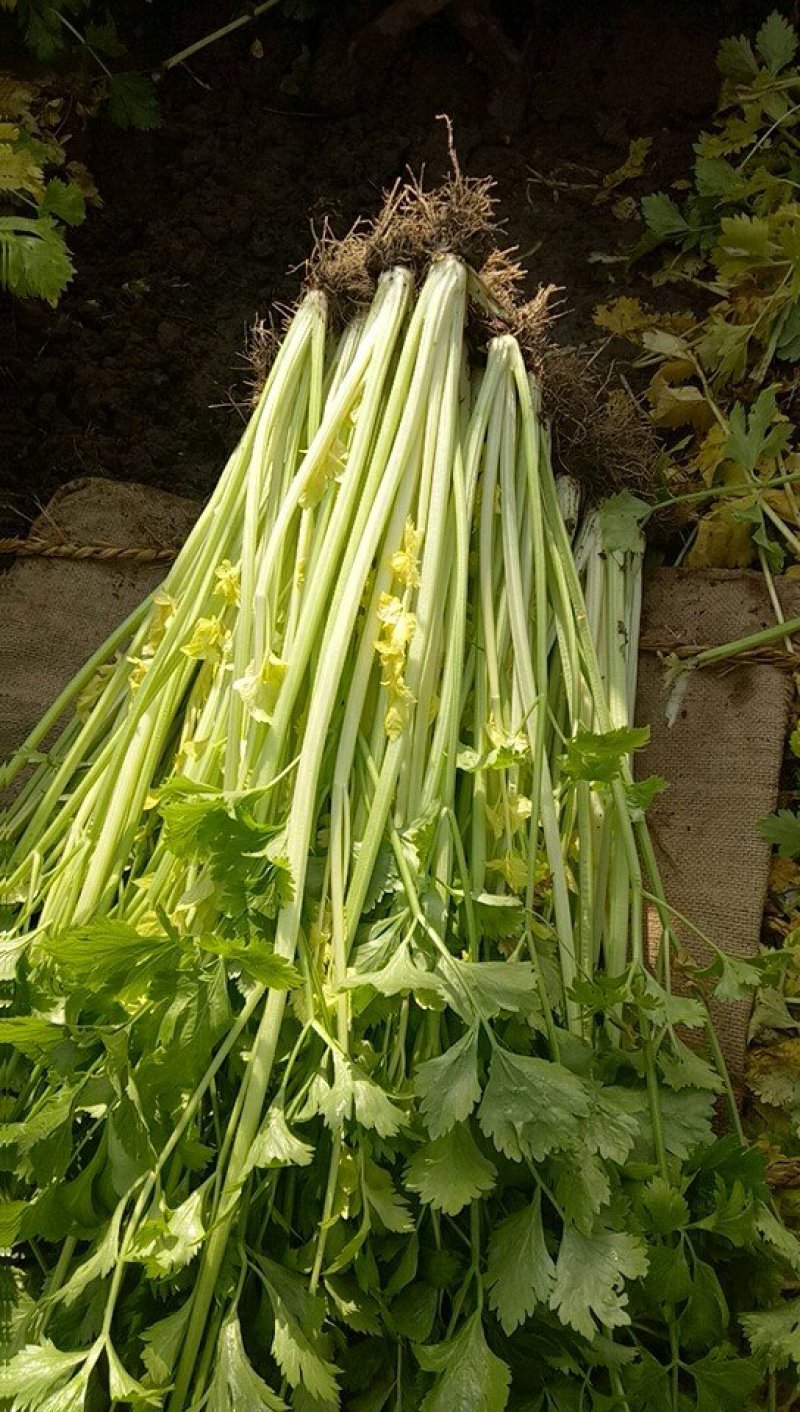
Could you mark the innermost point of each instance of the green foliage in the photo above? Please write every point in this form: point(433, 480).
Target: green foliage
point(724, 370)
point(42, 192)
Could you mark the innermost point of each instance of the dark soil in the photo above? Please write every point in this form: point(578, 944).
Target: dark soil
point(140, 373)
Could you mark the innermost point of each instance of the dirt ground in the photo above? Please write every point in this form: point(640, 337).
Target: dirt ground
point(140, 372)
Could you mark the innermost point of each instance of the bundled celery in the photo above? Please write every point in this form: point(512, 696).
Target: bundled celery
point(339, 1072)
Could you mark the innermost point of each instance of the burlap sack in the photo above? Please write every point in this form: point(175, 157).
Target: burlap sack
point(722, 758)
point(55, 613)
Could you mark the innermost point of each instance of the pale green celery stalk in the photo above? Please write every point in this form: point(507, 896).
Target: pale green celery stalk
point(633, 619)
point(341, 826)
point(487, 559)
point(367, 378)
point(363, 671)
point(616, 687)
point(263, 471)
point(340, 820)
point(45, 839)
point(568, 494)
point(293, 350)
point(352, 713)
point(480, 711)
point(485, 391)
point(435, 380)
point(111, 828)
point(223, 528)
point(346, 348)
point(531, 684)
point(560, 544)
point(72, 751)
point(425, 709)
point(137, 738)
point(163, 882)
point(491, 586)
point(450, 278)
point(344, 397)
point(588, 551)
point(439, 780)
point(172, 584)
point(588, 900)
point(26, 801)
point(435, 485)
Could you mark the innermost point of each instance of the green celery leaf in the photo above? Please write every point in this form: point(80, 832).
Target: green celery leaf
point(774, 1334)
point(98, 1264)
point(723, 1381)
point(162, 1344)
point(612, 1127)
point(648, 1385)
point(490, 987)
point(667, 1209)
point(168, 1240)
point(519, 1272)
point(106, 949)
point(733, 1214)
point(104, 37)
point(788, 346)
point(498, 915)
point(671, 1009)
point(451, 1171)
point(668, 1280)
point(298, 1345)
point(599, 758)
point(706, 1315)
point(715, 176)
point(530, 1106)
point(621, 517)
point(125, 1389)
point(783, 1241)
point(275, 1145)
point(413, 1313)
point(246, 860)
point(641, 793)
point(354, 1093)
point(448, 1086)
point(259, 962)
point(236, 1386)
point(683, 1068)
point(38, 1375)
point(737, 977)
point(470, 1378)
point(11, 1214)
point(353, 1307)
point(581, 1185)
point(686, 1118)
point(590, 1274)
point(400, 976)
point(33, 1037)
point(381, 1197)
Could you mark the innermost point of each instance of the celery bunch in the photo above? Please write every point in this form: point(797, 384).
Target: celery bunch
point(339, 1073)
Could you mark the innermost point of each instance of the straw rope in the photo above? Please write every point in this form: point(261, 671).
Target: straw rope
point(104, 553)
